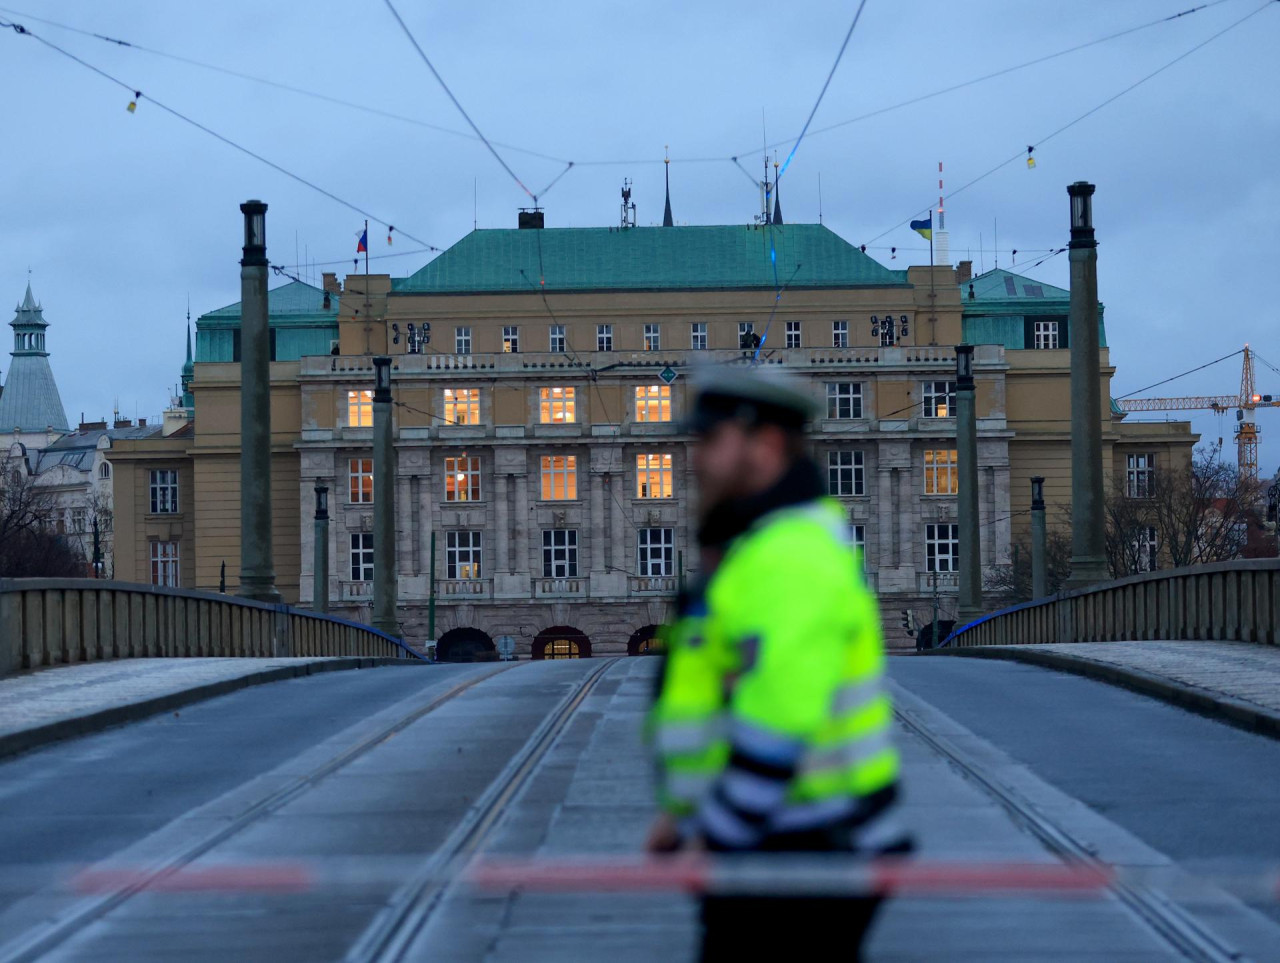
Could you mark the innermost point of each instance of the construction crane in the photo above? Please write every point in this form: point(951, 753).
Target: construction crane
point(1245, 404)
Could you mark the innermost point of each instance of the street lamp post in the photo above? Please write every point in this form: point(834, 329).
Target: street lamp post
point(1088, 535)
point(1039, 572)
point(320, 575)
point(384, 493)
point(970, 600)
point(257, 572)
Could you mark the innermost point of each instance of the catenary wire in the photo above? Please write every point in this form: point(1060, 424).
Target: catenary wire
point(1088, 113)
point(1183, 375)
point(19, 29)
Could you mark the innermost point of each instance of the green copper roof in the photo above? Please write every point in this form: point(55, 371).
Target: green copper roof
point(30, 399)
point(294, 301)
point(649, 258)
point(999, 285)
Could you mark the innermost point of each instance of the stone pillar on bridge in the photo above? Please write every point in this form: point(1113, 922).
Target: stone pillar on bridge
point(1088, 532)
point(320, 570)
point(384, 499)
point(1039, 571)
point(257, 571)
point(970, 600)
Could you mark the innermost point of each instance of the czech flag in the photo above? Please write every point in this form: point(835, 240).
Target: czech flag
point(363, 244)
point(924, 228)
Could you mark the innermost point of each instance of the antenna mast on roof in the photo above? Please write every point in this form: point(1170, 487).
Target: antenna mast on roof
point(628, 206)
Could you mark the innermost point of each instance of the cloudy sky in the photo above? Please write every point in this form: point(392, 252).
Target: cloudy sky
point(121, 217)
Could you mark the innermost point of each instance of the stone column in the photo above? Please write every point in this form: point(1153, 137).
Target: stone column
point(599, 541)
point(970, 601)
point(521, 522)
point(384, 499)
point(1088, 531)
point(884, 505)
point(502, 522)
point(320, 569)
point(906, 519)
point(257, 571)
point(1039, 567)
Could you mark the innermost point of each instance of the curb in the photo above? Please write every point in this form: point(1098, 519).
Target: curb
point(1234, 712)
point(12, 743)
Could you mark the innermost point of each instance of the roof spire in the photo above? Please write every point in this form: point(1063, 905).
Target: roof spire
point(777, 197)
point(666, 214)
point(188, 329)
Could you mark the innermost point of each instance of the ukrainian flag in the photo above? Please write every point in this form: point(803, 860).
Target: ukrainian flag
point(924, 228)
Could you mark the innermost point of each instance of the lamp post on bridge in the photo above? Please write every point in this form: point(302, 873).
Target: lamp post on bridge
point(1039, 572)
point(970, 600)
point(320, 575)
point(257, 572)
point(384, 494)
point(1088, 532)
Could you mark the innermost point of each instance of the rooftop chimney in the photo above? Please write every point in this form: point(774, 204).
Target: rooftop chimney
point(122, 423)
point(530, 220)
point(142, 422)
point(330, 283)
point(91, 425)
point(964, 271)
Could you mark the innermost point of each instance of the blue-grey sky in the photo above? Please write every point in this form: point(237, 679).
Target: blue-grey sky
point(121, 217)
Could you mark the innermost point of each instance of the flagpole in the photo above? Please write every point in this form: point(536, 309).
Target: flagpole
point(930, 247)
point(366, 248)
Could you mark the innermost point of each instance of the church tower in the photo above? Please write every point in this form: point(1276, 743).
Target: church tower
point(30, 407)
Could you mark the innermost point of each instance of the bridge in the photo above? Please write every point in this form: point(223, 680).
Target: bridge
point(186, 775)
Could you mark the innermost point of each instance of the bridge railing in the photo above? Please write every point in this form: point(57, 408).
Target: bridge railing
point(1225, 601)
point(55, 621)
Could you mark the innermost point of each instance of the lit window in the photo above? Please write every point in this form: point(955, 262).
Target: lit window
point(561, 649)
point(845, 473)
point(939, 399)
point(840, 334)
point(462, 555)
point(462, 479)
point(940, 474)
point(361, 470)
point(164, 491)
point(360, 409)
point(462, 340)
point(1140, 471)
point(362, 556)
point(655, 552)
point(653, 403)
point(560, 553)
point(555, 406)
point(653, 476)
point(604, 337)
point(652, 337)
point(557, 339)
point(698, 336)
point(164, 564)
point(462, 406)
point(844, 399)
point(511, 339)
point(559, 478)
point(942, 548)
point(1046, 333)
point(793, 334)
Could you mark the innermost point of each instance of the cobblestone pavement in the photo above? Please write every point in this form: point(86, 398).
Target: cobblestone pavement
point(36, 699)
point(1237, 670)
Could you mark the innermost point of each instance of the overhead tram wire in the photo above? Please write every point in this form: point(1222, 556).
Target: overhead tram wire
point(23, 31)
point(1002, 72)
point(1088, 113)
point(1207, 364)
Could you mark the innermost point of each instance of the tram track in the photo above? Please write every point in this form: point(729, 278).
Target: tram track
point(1174, 926)
point(62, 926)
point(394, 931)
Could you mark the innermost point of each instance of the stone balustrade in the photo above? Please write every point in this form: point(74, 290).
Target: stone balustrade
point(45, 622)
point(1225, 601)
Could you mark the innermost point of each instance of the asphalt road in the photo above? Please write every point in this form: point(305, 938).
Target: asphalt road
point(361, 779)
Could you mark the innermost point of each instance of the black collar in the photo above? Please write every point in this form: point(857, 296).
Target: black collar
point(801, 483)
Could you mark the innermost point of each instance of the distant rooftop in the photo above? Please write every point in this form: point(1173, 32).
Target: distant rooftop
point(294, 301)
point(1001, 285)
point(649, 259)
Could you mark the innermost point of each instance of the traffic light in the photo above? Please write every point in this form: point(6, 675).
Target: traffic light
point(909, 622)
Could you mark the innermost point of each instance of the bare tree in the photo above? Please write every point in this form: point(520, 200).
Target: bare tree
point(1013, 582)
point(29, 547)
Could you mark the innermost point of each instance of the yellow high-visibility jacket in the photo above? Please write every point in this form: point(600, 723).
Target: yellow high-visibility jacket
point(773, 718)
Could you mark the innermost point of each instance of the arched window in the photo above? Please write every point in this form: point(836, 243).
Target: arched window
point(561, 642)
point(105, 470)
point(561, 649)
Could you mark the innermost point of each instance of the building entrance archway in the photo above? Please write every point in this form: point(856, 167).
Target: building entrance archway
point(465, 645)
point(646, 641)
point(561, 642)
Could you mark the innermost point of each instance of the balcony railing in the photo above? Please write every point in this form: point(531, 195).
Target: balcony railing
point(549, 588)
point(948, 582)
point(466, 588)
point(651, 584)
point(355, 591)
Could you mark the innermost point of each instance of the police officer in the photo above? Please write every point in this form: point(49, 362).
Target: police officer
point(772, 725)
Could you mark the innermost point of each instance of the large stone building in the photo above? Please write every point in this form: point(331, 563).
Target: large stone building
point(537, 432)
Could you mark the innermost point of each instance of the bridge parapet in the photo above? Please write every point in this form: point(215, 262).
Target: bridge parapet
point(1226, 601)
point(47, 622)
